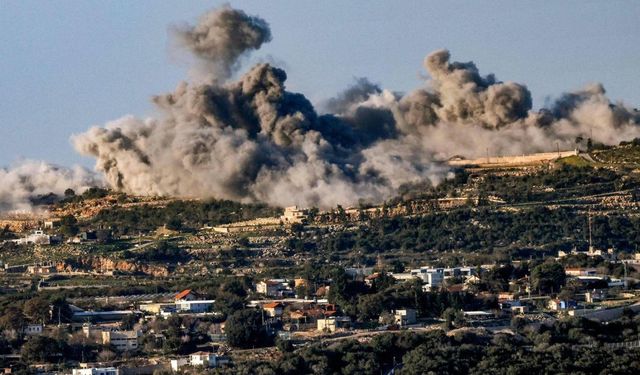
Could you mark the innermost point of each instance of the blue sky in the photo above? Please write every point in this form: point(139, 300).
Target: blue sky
point(66, 65)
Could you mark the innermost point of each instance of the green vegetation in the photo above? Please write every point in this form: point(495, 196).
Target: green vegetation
point(244, 329)
point(626, 155)
point(536, 229)
point(548, 277)
point(566, 182)
point(162, 252)
point(575, 161)
point(565, 347)
point(178, 215)
point(367, 303)
point(91, 193)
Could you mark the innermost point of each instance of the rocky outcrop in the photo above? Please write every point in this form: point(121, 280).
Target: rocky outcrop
point(106, 264)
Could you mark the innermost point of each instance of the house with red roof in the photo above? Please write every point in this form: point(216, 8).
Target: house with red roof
point(273, 309)
point(186, 295)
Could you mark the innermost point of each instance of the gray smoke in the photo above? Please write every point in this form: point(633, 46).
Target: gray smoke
point(30, 179)
point(221, 37)
point(252, 140)
point(359, 92)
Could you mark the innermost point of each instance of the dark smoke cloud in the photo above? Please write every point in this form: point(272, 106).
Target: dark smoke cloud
point(359, 92)
point(221, 37)
point(252, 140)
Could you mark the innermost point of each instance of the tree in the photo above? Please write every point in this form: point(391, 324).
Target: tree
point(174, 224)
point(69, 226)
point(228, 303)
point(41, 349)
point(341, 291)
point(383, 281)
point(518, 323)
point(69, 193)
point(234, 286)
point(129, 321)
point(37, 310)
point(452, 318)
point(12, 318)
point(370, 306)
point(548, 277)
point(244, 329)
point(284, 345)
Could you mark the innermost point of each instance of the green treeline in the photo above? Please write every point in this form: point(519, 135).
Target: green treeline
point(179, 215)
point(471, 229)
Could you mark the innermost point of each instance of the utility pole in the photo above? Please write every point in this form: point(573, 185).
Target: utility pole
point(590, 234)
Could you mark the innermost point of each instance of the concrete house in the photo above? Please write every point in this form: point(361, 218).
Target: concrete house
point(557, 305)
point(273, 309)
point(187, 301)
point(96, 371)
point(122, 340)
point(199, 359)
point(293, 214)
point(405, 317)
point(273, 287)
point(195, 306)
point(333, 323)
point(33, 329)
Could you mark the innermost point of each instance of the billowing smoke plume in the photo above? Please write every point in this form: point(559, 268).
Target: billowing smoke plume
point(221, 38)
point(251, 140)
point(30, 179)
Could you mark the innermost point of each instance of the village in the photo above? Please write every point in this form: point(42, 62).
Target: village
point(179, 329)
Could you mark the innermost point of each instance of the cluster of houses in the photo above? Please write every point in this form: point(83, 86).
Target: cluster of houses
point(432, 278)
point(198, 360)
point(38, 237)
point(283, 311)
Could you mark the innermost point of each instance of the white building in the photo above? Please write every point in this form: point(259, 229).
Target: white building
point(405, 317)
point(121, 340)
point(33, 329)
point(333, 323)
point(431, 277)
point(199, 359)
point(194, 306)
point(204, 359)
point(38, 237)
point(273, 287)
point(273, 309)
point(96, 371)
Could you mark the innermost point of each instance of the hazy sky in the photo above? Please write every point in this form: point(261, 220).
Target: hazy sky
point(67, 65)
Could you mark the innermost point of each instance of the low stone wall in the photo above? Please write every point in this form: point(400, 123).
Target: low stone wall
point(515, 159)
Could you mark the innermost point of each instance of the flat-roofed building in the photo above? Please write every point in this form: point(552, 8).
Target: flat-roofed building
point(96, 371)
point(405, 317)
point(121, 340)
point(293, 215)
point(333, 323)
point(194, 306)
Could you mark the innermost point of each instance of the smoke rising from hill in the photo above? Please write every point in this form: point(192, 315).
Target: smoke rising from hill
point(252, 140)
point(221, 37)
point(30, 179)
